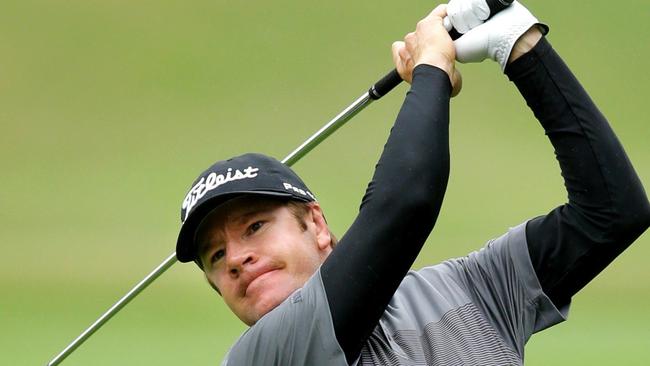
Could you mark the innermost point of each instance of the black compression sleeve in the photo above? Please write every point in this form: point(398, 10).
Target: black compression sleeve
point(396, 215)
point(607, 207)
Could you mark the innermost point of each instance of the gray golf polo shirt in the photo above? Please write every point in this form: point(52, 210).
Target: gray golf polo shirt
point(475, 310)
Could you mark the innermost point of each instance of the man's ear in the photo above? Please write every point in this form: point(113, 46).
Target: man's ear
point(322, 231)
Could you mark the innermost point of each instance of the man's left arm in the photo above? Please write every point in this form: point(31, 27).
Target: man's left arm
point(607, 206)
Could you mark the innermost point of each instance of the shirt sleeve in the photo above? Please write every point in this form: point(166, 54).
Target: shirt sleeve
point(607, 207)
point(397, 213)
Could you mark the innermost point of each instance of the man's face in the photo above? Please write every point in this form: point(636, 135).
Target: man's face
point(257, 253)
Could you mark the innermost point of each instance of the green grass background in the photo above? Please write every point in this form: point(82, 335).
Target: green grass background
point(109, 109)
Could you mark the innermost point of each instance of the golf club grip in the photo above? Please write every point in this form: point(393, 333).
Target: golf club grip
point(392, 79)
point(495, 6)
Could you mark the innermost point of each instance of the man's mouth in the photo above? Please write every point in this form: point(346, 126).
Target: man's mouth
point(256, 278)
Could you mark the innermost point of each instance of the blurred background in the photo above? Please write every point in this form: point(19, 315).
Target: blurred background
point(109, 110)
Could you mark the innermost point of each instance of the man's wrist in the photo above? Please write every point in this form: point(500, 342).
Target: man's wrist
point(440, 62)
point(525, 43)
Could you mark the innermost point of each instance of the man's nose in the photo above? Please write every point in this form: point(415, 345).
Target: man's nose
point(238, 259)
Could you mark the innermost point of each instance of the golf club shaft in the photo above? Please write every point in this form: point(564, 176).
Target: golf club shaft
point(114, 309)
point(357, 106)
point(328, 129)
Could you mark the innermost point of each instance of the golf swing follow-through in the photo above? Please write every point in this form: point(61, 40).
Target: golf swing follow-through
point(260, 236)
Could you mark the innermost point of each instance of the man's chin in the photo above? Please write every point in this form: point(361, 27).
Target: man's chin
point(264, 306)
point(272, 292)
point(268, 301)
point(259, 311)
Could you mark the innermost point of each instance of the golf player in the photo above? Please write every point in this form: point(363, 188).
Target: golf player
point(262, 240)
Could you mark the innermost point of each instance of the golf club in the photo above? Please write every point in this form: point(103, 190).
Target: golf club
point(376, 91)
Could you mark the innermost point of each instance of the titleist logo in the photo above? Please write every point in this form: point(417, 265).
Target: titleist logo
point(212, 181)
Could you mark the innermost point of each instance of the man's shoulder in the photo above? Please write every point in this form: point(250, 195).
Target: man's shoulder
point(302, 323)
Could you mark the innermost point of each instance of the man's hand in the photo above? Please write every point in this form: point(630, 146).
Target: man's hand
point(465, 15)
point(430, 44)
point(496, 38)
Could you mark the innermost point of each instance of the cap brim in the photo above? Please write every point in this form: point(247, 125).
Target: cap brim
point(185, 244)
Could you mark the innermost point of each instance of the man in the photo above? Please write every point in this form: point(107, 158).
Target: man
point(262, 240)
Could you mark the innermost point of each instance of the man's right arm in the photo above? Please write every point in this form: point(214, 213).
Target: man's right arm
point(399, 208)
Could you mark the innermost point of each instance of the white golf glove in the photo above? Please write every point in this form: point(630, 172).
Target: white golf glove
point(495, 38)
point(464, 15)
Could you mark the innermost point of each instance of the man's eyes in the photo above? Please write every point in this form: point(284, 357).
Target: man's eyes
point(250, 230)
point(254, 227)
point(218, 255)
